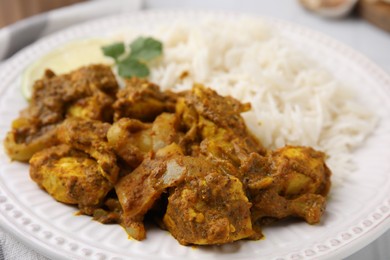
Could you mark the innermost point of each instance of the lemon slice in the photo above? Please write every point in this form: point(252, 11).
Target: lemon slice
point(64, 59)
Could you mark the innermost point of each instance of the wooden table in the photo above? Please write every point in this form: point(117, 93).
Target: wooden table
point(14, 10)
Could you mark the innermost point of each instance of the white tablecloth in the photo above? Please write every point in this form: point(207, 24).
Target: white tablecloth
point(353, 31)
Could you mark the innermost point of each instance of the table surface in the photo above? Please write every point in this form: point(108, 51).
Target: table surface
point(353, 31)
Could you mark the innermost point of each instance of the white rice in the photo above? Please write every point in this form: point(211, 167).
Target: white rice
point(294, 100)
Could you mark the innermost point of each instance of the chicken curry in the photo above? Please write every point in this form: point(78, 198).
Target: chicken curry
point(183, 159)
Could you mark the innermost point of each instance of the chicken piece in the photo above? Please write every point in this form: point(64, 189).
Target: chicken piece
point(220, 118)
point(214, 122)
point(269, 206)
point(24, 140)
point(139, 190)
point(291, 181)
point(70, 176)
point(96, 107)
point(223, 111)
point(209, 207)
point(53, 95)
point(241, 144)
point(88, 92)
point(220, 144)
point(89, 136)
point(142, 100)
point(165, 130)
point(303, 170)
point(131, 140)
point(188, 120)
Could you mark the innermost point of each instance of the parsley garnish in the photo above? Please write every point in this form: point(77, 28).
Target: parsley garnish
point(114, 50)
point(145, 49)
point(134, 63)
point(129, 67)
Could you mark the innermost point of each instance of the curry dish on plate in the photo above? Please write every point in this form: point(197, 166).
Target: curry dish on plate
point(183, 159)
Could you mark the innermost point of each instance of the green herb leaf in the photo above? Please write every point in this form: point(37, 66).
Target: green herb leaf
point(134, 64)
point(114, 50)
point(129, 67)
point(145, 49)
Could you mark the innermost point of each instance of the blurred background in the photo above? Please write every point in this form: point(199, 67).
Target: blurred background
point(14, 10)
point(375, 11)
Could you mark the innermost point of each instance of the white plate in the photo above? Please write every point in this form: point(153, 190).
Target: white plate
point(358, 211)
